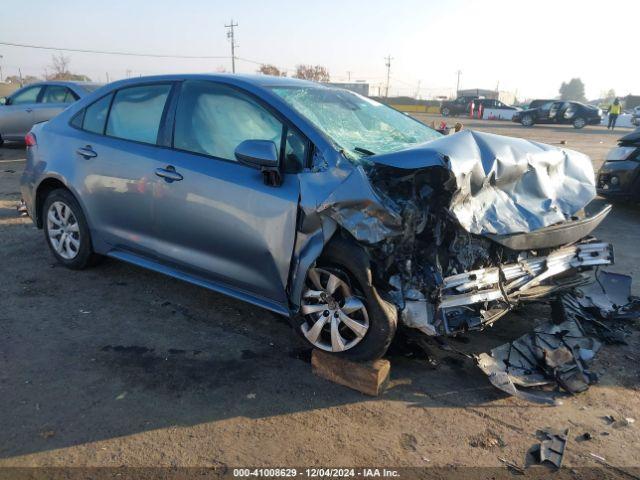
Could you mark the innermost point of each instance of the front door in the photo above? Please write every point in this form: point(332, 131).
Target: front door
point(216, 218)
point(17, 117)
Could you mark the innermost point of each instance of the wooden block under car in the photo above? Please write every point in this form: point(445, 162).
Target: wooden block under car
point(366, 377)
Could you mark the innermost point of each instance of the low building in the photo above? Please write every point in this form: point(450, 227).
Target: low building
point(505, 97)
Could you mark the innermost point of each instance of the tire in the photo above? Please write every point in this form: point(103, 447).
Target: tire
point(67, 217)
point(527, 121)
point(445, 112)
point(347, 261)
point(579, 122)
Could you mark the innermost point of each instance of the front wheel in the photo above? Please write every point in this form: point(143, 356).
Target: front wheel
point(579, 122)
point(66, 230)
point(341, 311)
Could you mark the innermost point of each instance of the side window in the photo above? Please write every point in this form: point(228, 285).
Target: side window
point(58, 94)
point(28, 95)
point(95, 115)
point(214, 119)
point(136, 112)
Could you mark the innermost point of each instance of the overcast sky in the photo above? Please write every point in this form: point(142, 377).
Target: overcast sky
point(527, 46)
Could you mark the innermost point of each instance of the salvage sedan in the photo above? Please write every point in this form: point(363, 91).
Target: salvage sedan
point(569, 113)
point(316, 203)
point(35, 103)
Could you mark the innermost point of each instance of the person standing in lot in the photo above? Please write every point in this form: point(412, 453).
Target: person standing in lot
point(614, 110)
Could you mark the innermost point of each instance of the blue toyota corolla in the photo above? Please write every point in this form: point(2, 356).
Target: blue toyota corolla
point(316, 203)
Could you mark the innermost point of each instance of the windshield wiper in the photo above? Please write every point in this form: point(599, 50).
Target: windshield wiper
point(364, 151)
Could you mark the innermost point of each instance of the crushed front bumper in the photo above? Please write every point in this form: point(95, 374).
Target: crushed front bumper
point(475, 299)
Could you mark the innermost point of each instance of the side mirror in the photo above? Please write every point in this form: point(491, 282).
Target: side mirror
point(3, 100)
point(261, 154)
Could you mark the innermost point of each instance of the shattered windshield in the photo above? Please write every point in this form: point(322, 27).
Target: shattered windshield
point(359, 125)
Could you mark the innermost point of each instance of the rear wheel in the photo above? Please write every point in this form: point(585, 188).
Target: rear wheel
point(579, 122)
point(527, 120)
point(341, 311)
point(66, 230)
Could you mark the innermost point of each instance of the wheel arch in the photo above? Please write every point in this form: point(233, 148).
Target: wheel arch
point(336, 237)
point(46, 186)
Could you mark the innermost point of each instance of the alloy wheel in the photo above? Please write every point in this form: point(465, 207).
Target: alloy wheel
point(335, 319)
point(63, 230)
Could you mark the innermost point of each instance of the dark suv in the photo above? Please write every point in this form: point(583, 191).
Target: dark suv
point(561, 112)
point(456, 107)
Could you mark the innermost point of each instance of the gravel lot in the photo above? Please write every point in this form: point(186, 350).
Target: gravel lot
point(118, 366)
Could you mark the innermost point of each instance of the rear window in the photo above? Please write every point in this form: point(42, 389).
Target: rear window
point(136, 112)
point(96, 115)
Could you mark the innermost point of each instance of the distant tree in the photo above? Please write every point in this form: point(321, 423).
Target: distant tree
point(316, 73)
point(267, 69)
point(608, 96)
point(573, 90)
point(60, 68)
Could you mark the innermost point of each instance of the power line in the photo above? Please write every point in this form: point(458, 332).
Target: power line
point(105, 52)
point(230, 36)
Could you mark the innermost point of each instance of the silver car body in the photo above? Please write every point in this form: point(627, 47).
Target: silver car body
point(45, 100)
point(218, 224)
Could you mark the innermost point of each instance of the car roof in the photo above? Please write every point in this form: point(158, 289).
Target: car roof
point(255, 80)
point(74, 85)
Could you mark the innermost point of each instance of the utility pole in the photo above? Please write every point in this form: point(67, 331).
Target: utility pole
point(1, 57)
point(20, 75)
point(459, 72)
point(388, 65)
point(107, 75)
point(349, 75)
point(418, 90)
point(232, 38)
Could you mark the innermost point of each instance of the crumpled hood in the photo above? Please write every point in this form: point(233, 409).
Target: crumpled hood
point(505, 185)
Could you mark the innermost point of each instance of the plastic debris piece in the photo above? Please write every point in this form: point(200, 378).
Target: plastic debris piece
point(553, 446)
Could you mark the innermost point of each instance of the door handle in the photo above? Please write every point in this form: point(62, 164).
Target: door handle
point(169, 174)
point(29, 110)
point(87, 152)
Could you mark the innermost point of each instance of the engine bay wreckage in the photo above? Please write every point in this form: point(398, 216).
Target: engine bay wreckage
point(463, 229)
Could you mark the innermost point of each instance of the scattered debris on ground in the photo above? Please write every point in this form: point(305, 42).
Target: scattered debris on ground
point(560, 352)
point(552, 446)
point(486, 440)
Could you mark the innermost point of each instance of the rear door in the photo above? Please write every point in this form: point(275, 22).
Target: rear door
point(115, 160)
point(53, 100)
point(17, 117)
point(218, 219)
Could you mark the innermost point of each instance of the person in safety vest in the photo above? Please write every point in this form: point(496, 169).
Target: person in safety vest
point(614, 110)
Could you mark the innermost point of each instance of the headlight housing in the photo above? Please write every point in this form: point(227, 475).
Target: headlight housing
point(619, 153)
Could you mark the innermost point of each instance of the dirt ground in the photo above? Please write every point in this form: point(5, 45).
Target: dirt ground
point(118, 366)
